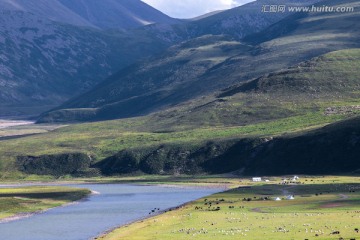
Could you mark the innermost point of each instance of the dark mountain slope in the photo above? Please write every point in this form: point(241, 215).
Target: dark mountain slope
point(328, 84)
point(170, 83)
point(104, 14)
point(49, 52)
point(45, 9)
point(237, 22)
point(44, 63)
point(146, 85)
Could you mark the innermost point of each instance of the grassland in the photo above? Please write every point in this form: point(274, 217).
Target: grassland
point(322, 207)
point(104, 139)
point(22, 201)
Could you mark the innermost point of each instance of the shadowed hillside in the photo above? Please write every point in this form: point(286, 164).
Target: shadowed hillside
point(331, 150)
point(175, 77)
point(66, 47)
point(50, 53)
point(328, 81)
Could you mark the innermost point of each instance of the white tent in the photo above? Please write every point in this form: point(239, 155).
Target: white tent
point(277, 199)
point(295, 178)
point(290, 197)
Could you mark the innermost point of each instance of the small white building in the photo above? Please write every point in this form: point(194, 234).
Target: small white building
point(256, 179)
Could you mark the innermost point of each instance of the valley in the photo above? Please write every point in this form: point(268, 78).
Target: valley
point(237, 124)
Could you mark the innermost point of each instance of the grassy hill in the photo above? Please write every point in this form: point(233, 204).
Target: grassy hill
point(329, 81)
point(207, 64)
point(333, 75)
point(218, 133)
point(103, 140)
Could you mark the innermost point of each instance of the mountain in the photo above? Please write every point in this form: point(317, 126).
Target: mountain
point(237, 22)
point(44, 63)
point(121, 96)
point(328, 85)
point(206, 64)
point(49, 56)
point(50, 52)
point(104, 14)
point(244, 20)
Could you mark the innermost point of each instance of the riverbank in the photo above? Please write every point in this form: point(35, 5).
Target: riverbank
point(23, 202)
point(203, 181)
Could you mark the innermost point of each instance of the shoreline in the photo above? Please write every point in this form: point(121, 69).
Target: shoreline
point(20, 216)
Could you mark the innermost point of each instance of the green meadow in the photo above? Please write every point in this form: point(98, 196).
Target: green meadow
point(322, 208)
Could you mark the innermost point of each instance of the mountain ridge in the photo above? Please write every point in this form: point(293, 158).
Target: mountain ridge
point(240, 64)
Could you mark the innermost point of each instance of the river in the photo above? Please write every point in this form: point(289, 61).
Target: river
point(115, 205)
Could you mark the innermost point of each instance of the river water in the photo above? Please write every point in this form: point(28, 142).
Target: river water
point(116, 204)
point(12, 123)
